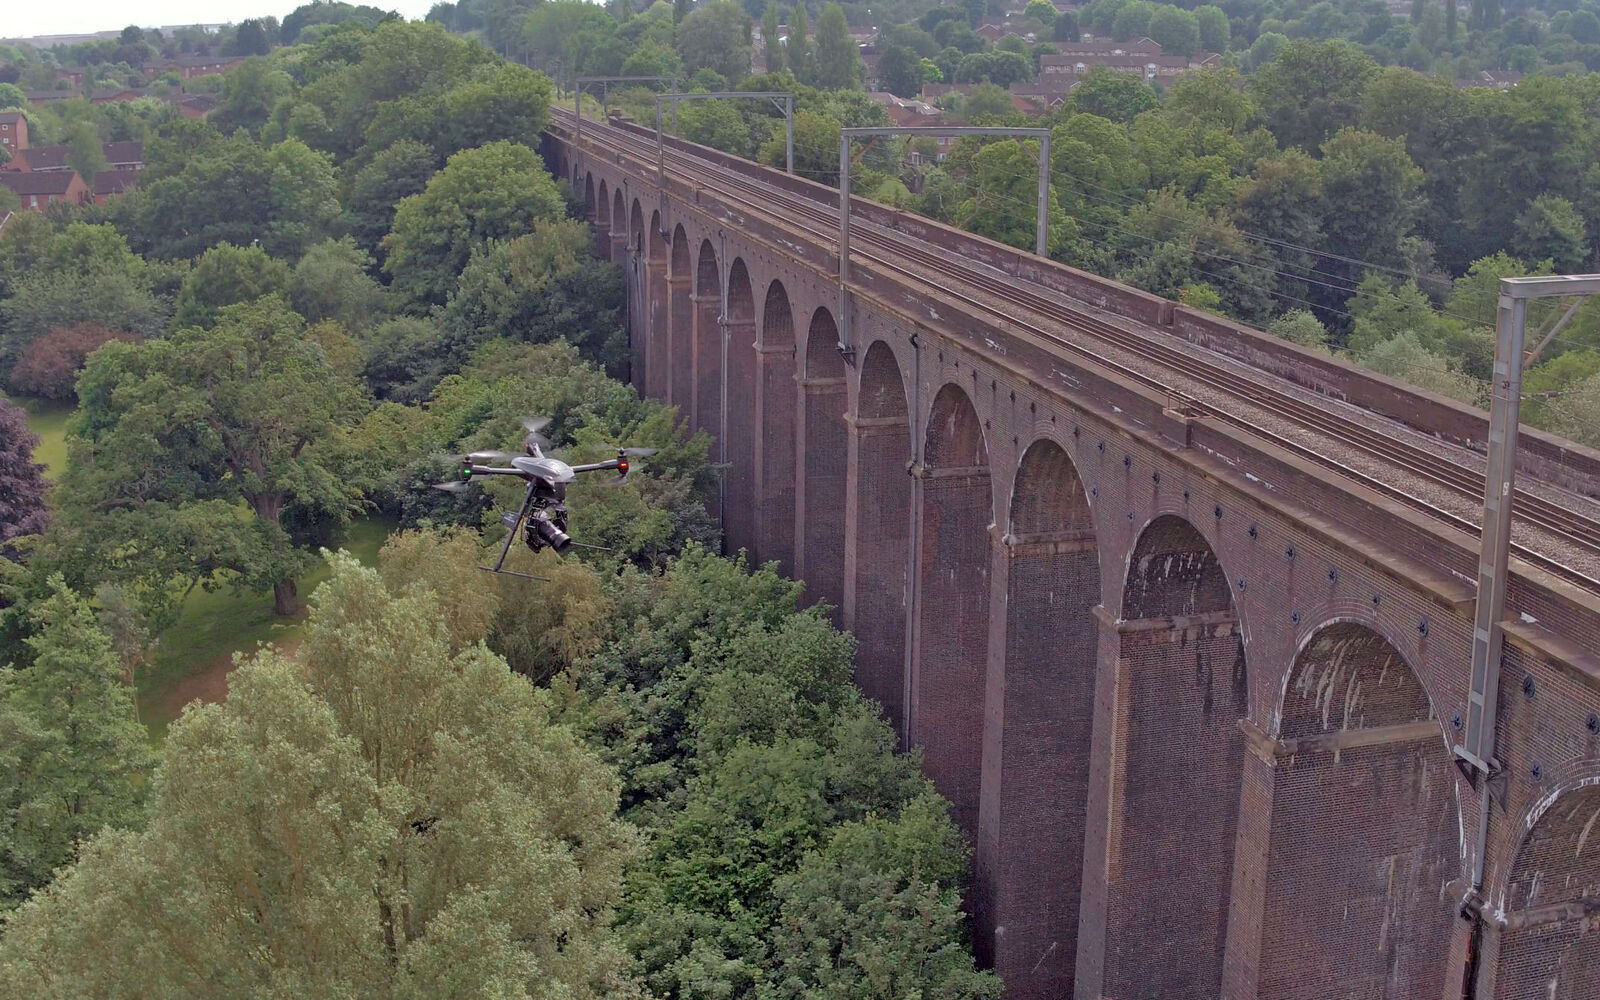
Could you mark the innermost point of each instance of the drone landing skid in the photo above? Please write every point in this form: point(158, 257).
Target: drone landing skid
point(512, 572)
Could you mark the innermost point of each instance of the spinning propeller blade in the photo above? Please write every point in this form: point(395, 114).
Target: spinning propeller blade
point(483, 457)
point(456, 487)
point(639, 452)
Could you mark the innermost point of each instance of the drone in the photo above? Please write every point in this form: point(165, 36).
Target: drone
point(543, 514)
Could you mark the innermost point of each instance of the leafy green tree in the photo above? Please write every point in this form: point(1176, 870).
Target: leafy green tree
point(900, 71)
point(1576, 413)
point(539, 288)
point(1177, 31)
point(226, 275)
point(1066, 27)
point(716, 36)
point(373, 192)
point(85, 154)
point(1215, 30)
point(1550, 228)
point(1284, 203)
point(1299, 326)
point(83, 275)
point(431, 833)
point(176, 434)
point(771, 40)
point(797, 52)
point(249, 93)
point(838, 63)
point(12, 96)
point(1311, 90)
point(1119, 97)
point(331, 282)
point(497, 191)
point(550, 28)
point(1042, 11)
point(1004, 193)
point(1369, 188)
point(75, 757)
point(1132, 20)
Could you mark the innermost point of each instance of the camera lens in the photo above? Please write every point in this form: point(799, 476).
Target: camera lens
point(549, 533)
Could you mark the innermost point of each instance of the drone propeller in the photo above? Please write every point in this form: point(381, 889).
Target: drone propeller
point(639, 452)
point(484, 457)
point(535, 427)
point(453, 487)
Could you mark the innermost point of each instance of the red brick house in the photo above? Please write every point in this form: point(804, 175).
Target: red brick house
point(38, 191)
point(109, 183)
point(126, 156)
point(13, 132)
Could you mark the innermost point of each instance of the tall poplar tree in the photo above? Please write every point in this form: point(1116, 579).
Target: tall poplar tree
point(838, 62)
point(799, 49)
point(771, 44)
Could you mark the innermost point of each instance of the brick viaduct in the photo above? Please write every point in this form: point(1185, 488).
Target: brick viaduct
point(1196, 727)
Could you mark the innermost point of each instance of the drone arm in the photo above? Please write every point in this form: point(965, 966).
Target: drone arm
point(489, 470)
point(612, 463)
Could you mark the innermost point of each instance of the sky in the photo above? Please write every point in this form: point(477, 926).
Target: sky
point(23, 18)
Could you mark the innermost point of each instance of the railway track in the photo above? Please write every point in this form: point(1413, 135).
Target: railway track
point(892, 253)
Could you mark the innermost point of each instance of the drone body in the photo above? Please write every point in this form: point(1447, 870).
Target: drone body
point(543, 514)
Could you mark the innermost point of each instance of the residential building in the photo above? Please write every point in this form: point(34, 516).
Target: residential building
point(109, 183)
point(38, 191)
point(13, 132)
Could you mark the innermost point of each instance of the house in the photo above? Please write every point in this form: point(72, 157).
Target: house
point(906, 112)
point(1495, 79)
point(38, 191)
point(123, 156)
point(197, 105)
point(1094, 47)
point(109, 183)
point(45, 96)
point(110, 95)
point(189, 67)
point(13, 132)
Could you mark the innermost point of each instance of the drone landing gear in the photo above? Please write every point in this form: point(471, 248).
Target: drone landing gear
point(511, 521)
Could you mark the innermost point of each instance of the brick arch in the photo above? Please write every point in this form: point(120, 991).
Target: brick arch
point(680, 326)
point(950, 646)
point(708, 347)
point(1182, 689)
point(739, 523)
point(637, 239)
point(619, 212)
point(588, 194)
point(657, 349)
point(602, 206)
point(775, 415)
point(824, 460)
point(880, 453)
point(1546, 948)
point(1365, 828)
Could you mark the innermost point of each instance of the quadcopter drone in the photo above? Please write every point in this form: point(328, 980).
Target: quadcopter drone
point(543, 514)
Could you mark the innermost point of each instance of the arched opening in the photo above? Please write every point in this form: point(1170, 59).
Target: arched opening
point(823, 398)
point(775, 426)
point(1033, 866)
point(602, 223)
point(638, 280)
point(708, 347)
point(739, 479)
point(881, 437)
point(951, 645)
point(1365, 828)
point(1550, 942)
point(680, 332)
point(619, 214)
point(1182, 690)
point(588, 195)
point(658, 348)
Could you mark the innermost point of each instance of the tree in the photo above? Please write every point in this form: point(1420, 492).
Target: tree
point(1215, 30)
point(1120, 97)
point(23, 510)
point(797, 52)
point(78, 756)
point(771, 40)
point(1066, 27)
point(838, 62)
point(1311, 90)
point(12, 96)
point(249, 93)
point(1042, 11)
point(48, 367)
point(1299, 326)
point(716, 36)
point(331, 283)
point(542, 287)
point(497, 191)
point(431, 833)
point(1550, 228)
point(178, 433)
point(900, 71)
point(1177, 31)
point(396, 172)
point(252, 39)
point(226, 275)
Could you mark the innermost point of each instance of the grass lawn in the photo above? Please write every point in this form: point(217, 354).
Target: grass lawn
point(192, 659)
point(48, 419)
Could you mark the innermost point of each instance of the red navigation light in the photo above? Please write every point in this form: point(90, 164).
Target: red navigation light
point(622, 466)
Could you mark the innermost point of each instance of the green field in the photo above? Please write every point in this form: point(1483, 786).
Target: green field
point(48, 419)
point(191, 660)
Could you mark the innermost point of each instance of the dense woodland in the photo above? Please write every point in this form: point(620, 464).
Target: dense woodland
point(648, 775)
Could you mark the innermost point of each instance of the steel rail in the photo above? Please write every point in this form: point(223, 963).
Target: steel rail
point(1533, 510)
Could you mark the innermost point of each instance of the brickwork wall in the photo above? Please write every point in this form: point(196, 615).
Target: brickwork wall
point(707, 360)
point(882, 452)
point(680, 328)
point(739, 478)
point(823, 394)
point(1364, 838)
point(775, 418)
point(1176, 791)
